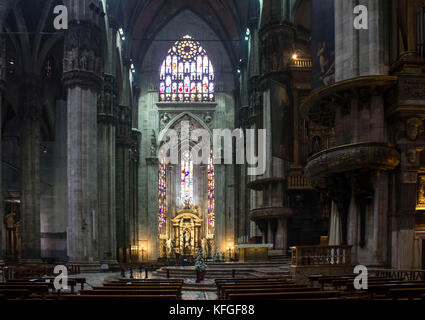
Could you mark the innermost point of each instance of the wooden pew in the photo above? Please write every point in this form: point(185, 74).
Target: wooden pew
point(221, 285)
point(7, 294)
point(286, 295)
point(409, 293)
point(40, 289)
point(143, 292)
point(180, 281)
point(116, 297)
point(178, 289)
point(266, 290)
point(384, 289)
point(43, 281)
point(72, 281)
point(225, 288)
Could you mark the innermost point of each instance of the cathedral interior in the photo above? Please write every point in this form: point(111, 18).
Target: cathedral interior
point(337, 111)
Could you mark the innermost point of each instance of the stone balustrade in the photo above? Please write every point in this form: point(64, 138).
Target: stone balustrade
point(321, 255)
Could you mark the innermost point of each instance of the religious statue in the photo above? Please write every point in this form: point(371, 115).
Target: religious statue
point(413, 128)
point(169, 248)
point(153, 144)
point(204, 246)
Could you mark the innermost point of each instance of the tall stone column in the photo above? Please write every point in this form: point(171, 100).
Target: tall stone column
point(2, 89)
point(82, 79)
point(134, 183)
point(122, 178)
point(30, 172)
point(153, 240)
point(106, 170)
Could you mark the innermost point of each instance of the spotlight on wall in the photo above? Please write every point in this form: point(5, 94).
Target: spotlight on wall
point(121, 32)
point(247, 33)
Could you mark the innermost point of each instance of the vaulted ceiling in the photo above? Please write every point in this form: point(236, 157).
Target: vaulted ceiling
point(143, 19)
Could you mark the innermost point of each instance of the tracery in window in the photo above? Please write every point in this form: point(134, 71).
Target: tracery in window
point(187, 74)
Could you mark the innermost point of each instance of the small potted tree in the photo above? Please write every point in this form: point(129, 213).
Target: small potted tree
point(200, 267)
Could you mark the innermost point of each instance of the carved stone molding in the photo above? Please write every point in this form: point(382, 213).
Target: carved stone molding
point(124, 125)
point(321, 105)
point(107, 101)
point(373, 156)
point(83, 61)
point(261, 184)
point(82, 79)
point(265, 213)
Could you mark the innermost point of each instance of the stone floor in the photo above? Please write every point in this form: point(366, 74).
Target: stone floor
point(97, 279)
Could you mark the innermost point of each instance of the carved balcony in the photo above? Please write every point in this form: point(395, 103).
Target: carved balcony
point(346, 158)
point(266, 213)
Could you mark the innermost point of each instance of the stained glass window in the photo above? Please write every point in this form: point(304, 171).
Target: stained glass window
point(162, 197)
point(187, 74)
point(186, 181)
point(211, 202)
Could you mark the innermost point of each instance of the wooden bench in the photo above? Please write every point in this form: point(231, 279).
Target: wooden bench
point(385, 289)
point(72, 281)
point(40, 289)
point(266, 290)
point(101, 297)
point(225, 288)
point(178, 289)
point(6, 294)
point(409, 293)
point(43, 281)
point(285, 295)
point(222, 285)
point(142, 292)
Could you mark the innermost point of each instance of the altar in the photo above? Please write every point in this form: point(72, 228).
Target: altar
point(254, 252)
point(187, 234)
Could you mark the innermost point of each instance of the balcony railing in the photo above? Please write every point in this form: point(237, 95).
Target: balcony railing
point(321, 255)
point(299, 182)
point(301, 63)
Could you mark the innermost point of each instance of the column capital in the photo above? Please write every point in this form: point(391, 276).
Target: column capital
point(83, 61)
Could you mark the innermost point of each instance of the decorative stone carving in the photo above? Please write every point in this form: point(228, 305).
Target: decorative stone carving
point(420, 202)
point(107, 100)
point(374, 156)
point(83, 61)
point(414, 128)
point(164, 119)
point(124, 125)
point(208, 118)
point(153, 144)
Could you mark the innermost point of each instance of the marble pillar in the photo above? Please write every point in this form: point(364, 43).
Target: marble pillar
point(106, 170)
point(123, 184)
point(152, 203)
point(82, 79)
point(220, 208)
point(30, 172)
point(2, 89)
